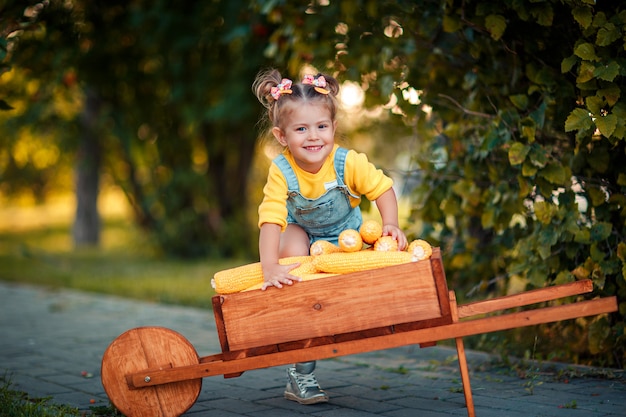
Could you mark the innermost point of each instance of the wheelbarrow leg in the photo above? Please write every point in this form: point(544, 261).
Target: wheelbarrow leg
point(460, 349)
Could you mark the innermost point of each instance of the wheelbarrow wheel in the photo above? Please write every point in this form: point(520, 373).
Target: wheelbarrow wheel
point(145, 348)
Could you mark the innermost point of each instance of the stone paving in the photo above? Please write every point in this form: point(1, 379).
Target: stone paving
point(52, 342)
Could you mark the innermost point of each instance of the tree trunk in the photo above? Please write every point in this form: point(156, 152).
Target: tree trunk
point(86, 231)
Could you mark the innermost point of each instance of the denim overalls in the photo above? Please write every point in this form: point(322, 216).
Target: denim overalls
point(328, 215)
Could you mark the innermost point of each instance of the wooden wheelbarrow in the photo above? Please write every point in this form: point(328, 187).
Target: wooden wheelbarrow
point(154, 371)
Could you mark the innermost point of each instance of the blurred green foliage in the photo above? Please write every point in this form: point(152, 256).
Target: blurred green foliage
point(163, 91)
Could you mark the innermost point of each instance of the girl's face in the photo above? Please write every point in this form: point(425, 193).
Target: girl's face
point(309, 133)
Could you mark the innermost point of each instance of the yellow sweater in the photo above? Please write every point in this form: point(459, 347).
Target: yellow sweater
point(361, 177)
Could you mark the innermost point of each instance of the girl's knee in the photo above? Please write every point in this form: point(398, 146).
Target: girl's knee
point(294, 242)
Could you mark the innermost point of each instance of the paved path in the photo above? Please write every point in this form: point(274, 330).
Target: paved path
point(51, 345)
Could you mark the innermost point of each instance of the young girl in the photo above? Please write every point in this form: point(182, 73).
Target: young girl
point(313, 190)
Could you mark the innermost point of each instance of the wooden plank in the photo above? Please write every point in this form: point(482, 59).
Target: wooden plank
point(449, 331)
point(439, 276)
point(526, 298)
point(219, 322)
point(337, 305)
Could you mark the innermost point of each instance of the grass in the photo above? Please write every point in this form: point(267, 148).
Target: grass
point(14, 403)
point(39, 251)
point(19, 404)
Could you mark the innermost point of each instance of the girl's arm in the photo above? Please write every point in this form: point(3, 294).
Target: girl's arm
point(274, 274)
point(388, 207)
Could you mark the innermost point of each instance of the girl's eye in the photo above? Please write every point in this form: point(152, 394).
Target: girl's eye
point(322, 126)
point(300, 129)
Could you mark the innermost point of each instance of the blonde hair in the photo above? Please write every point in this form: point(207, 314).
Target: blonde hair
point(300, 94)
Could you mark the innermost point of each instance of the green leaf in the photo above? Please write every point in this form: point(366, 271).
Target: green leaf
point(528, 129)
point(619, 109)
point(583, 16)
point(585, 73)
point(620, 131)
point(544, 252)
point(582, 236)
point(555, 173)
point(528, 169)
point(517, 153)
point(568, 63)
point(564, 277)
point(543, 13)
point(537, 276)
point(451, 23)
point(621, 251)
point(578, 119)
point(617, 200)
point(586, 51)
point(539, 114)
point(607, 35)
point(611, 93)
point(606, 124)
point(594, 104)
point(607, 72)
point(621, 179)
point(520, 101)
point(496, 25)
point(544, 211)
point(601, 231)
point(596, 253)
point(538, 156)
point(597, 197)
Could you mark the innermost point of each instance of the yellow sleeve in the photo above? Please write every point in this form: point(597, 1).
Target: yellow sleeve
point(363, 178)
point(273, 208)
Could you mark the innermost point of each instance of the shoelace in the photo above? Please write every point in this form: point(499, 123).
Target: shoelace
point(305, 381)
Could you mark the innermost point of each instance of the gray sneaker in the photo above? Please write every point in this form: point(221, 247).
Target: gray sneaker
point(304, 388)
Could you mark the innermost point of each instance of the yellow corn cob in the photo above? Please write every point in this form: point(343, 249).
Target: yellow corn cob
point(305, 268)
point(386, 244)
point(350, 241)
point(295, 259)
point(239, 278)
point(420, 249)
point(305, 277)
point(343, 263)
point(320, 247)
point(371, 231)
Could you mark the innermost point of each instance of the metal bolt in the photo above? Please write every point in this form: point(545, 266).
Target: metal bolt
point(147, 379)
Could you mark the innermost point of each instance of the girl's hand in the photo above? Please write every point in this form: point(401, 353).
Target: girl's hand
point(396, 233)
point(277, 275)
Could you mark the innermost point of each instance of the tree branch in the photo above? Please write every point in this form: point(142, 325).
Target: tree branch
point(466, 111)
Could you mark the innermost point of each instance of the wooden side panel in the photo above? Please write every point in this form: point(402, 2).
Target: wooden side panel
point(330, 306)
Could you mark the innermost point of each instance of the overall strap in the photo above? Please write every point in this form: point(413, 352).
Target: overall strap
point(340, 164)
point(287, 170)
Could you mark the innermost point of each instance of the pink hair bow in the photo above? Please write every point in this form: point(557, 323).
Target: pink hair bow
point(319, 83)
point(284, 87)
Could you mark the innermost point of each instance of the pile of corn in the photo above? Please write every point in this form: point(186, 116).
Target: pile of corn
point(358, 250)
